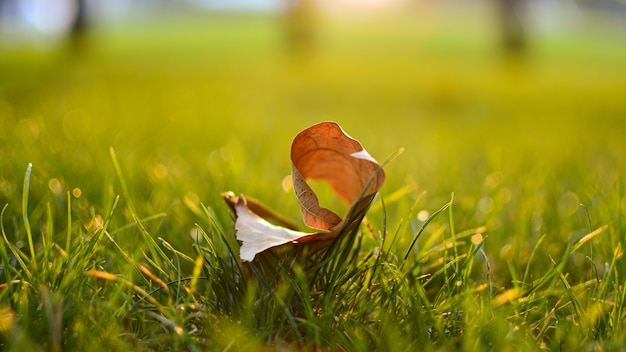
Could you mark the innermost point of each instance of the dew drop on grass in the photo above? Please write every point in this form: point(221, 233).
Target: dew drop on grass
point(422, 215)
point(76, 192)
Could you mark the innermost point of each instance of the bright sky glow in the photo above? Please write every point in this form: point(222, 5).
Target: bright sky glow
point(49, 17)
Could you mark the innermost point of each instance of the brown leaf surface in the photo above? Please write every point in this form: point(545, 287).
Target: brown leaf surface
point(322, 152)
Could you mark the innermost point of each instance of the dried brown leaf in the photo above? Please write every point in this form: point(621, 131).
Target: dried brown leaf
point(322, 152)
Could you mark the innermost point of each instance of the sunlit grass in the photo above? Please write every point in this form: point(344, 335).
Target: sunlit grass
point(501, 226)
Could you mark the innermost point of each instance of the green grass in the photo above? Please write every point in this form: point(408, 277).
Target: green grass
point(500, 227)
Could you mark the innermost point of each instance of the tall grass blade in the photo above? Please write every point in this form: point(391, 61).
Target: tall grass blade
point(420, 231)
point(29, 234)
point(6, 265)
point(68, 238)
point(588, 238)
point(17, 253)
point(154, 248)
point(531, 256)
point(452, 231)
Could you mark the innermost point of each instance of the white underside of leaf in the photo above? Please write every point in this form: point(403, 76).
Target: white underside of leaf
point(258, 235)
point(363, 154)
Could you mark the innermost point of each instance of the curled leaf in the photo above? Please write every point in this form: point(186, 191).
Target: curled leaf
point(257, 234)
point(322, 152)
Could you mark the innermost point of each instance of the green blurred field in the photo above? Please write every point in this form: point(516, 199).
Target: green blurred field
point(196, 106)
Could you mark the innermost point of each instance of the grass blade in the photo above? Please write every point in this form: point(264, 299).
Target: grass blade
point(29, 234)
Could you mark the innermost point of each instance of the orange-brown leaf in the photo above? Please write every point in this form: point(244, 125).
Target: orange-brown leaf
point(322, 152)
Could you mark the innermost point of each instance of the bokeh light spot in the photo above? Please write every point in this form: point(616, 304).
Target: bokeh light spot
point(287, 183)
point(77, 125)
point(568, 203)
point(485, 205)
point(56, 187)
point(160, 171)
point(477, 238)
point(27, 131)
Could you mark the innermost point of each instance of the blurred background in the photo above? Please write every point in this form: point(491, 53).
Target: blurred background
point(515, 25)
point(186, 66)
point(517, 106)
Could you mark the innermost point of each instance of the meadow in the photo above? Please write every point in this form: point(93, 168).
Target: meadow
point(500, 226)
